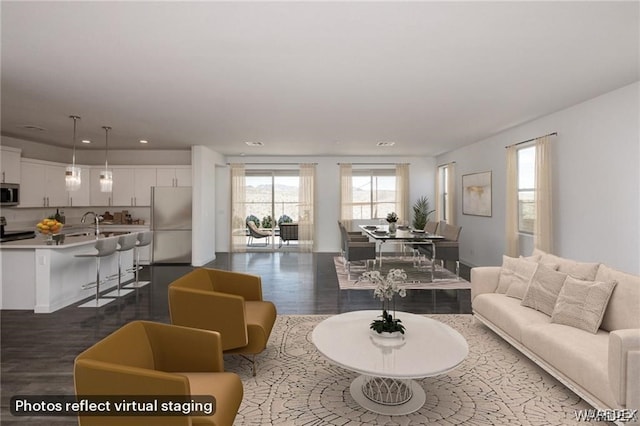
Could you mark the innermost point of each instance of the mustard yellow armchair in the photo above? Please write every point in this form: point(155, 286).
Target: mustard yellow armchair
point(227, 302)
point(146, 358)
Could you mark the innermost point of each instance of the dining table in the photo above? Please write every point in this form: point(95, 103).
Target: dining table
point(405, 235)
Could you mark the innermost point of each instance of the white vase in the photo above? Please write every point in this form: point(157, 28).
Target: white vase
point(392, 227)
point(386, 334)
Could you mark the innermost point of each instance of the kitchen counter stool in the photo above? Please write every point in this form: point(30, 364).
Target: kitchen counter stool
point(144, 239)
point(105, 247)
point(125, 243)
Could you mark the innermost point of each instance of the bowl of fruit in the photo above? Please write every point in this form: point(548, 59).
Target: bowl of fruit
point(49, 227)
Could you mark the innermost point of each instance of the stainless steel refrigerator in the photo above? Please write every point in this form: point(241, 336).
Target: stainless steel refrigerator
point(171, 224)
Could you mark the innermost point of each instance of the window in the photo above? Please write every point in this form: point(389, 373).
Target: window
point(526, 189)
point(374, 193)
point(443, 193)
point(272, 193)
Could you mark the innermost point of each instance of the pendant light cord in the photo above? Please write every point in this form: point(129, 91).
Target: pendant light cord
point(73, 158)
point(106, 147)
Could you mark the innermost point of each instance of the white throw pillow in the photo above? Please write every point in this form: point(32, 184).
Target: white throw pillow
point(515, 271)
point(543, 289)
point(582, 304)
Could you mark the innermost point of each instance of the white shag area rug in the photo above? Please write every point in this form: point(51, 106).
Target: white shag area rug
point(495, 385)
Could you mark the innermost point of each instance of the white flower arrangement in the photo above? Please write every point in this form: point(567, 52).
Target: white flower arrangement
point(386, 288)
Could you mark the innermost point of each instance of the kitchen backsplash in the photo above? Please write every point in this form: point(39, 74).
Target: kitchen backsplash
point(26, 218)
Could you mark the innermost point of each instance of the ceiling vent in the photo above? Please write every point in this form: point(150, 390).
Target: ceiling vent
point(386, 143)
point(254, 143)
point(33, 127)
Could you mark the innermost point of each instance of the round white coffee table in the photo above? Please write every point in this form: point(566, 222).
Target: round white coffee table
point(388, 365)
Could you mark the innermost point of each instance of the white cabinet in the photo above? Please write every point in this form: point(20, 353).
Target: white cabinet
point(132, 187)
point(173, 176)
point(97, 197)
point(42, 185)
point(32, 192)
point(54, 185)
point(10, 164)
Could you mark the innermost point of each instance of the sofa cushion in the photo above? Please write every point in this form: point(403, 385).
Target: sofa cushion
point(581, 304)
point(507, 313)
point(579, 270)
point(622, 311)
point(579, 355)
point(515, 271)
point(543, 289)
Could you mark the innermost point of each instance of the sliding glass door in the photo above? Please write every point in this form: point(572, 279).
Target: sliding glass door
point(271, 197)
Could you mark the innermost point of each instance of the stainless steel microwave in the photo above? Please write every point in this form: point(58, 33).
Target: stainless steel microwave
point(9, 194)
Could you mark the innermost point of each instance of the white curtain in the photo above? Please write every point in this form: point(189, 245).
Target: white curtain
point(543, 225)
point(306, 200)
point(402, 193)
point(438, 201)
point(238, 209)
point(451, 194)
point(511, 201)
point(346, 195)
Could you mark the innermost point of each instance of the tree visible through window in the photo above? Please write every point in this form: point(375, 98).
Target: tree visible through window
point(526, 189)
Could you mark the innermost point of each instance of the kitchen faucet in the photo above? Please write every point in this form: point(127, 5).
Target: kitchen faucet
point(96, 217)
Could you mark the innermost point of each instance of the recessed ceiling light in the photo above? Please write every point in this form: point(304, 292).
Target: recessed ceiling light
point(144, 141)
point(386, 143)
point(254, 143)
point(86, 141)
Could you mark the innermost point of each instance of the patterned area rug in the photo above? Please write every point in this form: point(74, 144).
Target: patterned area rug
point(495, 385)
point(417, 278)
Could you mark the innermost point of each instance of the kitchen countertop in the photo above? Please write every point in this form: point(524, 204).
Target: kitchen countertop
point(71, 240)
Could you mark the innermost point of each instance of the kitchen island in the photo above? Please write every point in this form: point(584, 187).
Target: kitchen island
point(45, 278)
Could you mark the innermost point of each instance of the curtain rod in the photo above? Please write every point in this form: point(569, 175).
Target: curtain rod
point(372, 164)
point(530, 140)
point(271, 164)
point(446, 164)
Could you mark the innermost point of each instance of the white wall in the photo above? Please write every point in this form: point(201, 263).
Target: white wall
point(327, 237)
point(203, 165)
point(596, 183)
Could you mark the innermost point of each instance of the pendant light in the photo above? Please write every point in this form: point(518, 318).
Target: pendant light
point(106, 176)
point(72, 177)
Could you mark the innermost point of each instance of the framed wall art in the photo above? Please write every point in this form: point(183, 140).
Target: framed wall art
point(476, 194)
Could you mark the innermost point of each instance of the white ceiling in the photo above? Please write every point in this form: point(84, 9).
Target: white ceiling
point(305, 78)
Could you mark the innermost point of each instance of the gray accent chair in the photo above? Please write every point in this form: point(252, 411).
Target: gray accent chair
point(356, 247)
point(447, 250)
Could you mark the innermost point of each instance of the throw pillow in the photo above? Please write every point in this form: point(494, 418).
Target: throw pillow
point(582, 304)
point(514, 270)
point(579, 270)
point(543, 289)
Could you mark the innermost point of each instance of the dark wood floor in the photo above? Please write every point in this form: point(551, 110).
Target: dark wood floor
point(38, 350)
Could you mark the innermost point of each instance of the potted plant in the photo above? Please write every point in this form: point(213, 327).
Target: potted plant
point(267, 222)
point(254, 219)
point(386, 288)
point(284, 219)
point(421, 212)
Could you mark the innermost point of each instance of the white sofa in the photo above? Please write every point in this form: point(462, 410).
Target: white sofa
point(603, 368)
